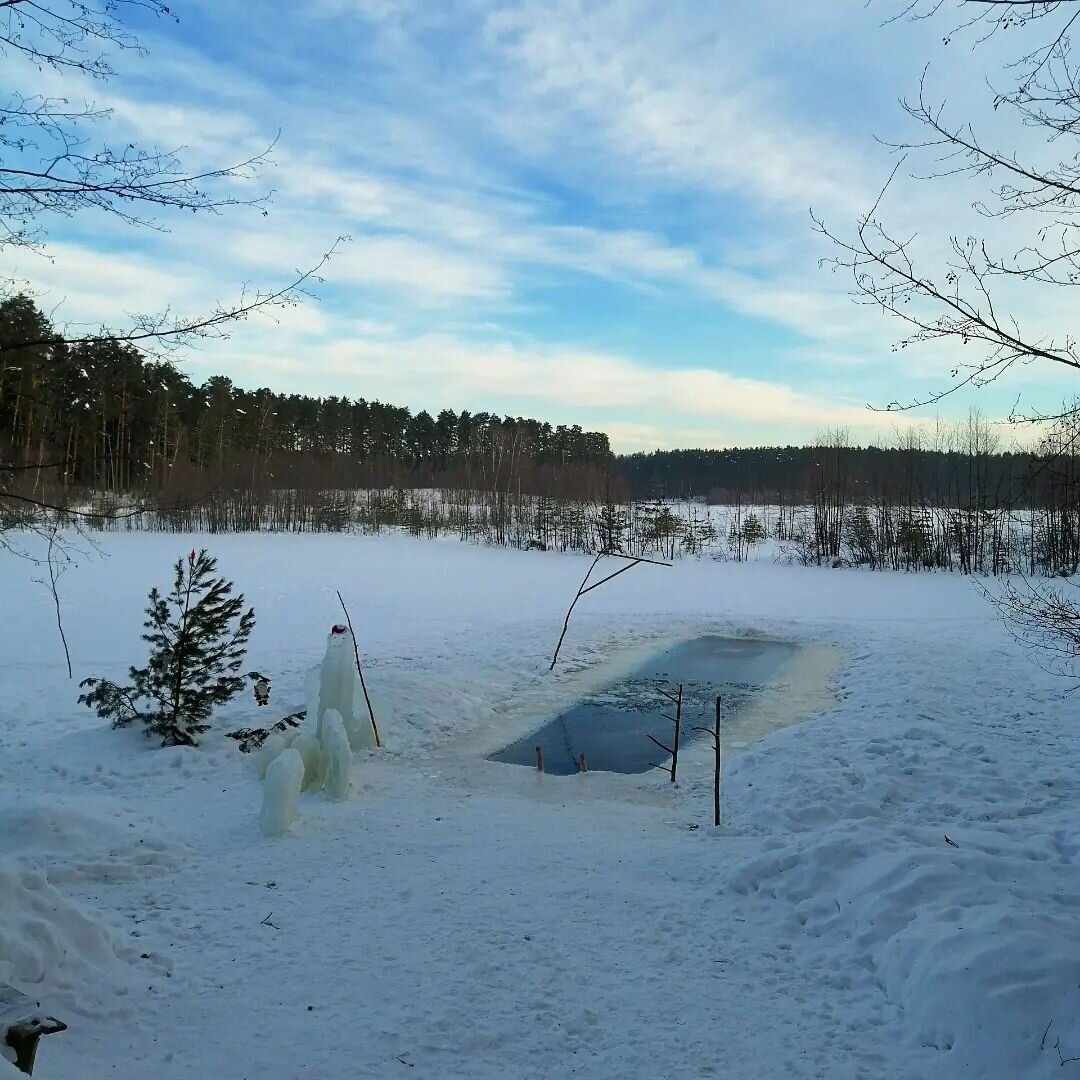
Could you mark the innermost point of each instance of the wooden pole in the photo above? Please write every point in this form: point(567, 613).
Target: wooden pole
point(678, 725)
point(539, 760)
point(360, 672)
point(716, 768)
point(715, 733)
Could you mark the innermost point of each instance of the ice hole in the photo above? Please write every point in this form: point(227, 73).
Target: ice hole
point(765, 685)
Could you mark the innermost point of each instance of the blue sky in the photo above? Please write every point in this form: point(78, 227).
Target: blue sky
point(588, 212)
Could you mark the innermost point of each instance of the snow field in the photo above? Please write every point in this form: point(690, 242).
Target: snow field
point(459, 918)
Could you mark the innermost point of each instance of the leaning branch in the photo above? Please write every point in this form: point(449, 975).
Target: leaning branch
point(360, 671)
point(168, 331)
point(585, 587)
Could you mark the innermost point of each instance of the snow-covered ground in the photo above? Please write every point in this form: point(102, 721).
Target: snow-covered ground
point(461, 918)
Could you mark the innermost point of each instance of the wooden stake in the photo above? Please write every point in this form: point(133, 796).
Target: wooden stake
point(539, 760)
point(673, 749)
point(360, 672)
point(675, 743)
point(716, 767)
point(715, 733)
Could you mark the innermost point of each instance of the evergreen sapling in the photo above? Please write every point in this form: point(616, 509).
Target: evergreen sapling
point(198, 637)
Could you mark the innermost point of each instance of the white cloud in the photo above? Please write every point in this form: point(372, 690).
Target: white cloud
point(672, 98)
point(437, 370)
point(83, 286)
point(480, 153)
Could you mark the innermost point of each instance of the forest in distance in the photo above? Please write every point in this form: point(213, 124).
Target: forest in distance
point(102, 416)
point(130, 441)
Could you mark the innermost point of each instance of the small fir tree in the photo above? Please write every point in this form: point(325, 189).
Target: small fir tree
point(198, 637)
point(612, 525)
point(860, 537)
point(753, 532)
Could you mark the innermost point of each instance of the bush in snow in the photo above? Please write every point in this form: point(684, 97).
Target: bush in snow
point(337, 754)
point(281, 790)
point(753, 532)
point(198, 636)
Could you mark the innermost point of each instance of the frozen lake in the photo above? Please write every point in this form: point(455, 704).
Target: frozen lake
point(765, 684)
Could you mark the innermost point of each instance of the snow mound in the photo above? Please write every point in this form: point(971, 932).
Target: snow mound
point(53, 944)
point(987, 994)
point(957, 933)
point(78, 846)
point(48, 940)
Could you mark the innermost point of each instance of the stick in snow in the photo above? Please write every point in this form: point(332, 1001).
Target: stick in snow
point(360, 672)
point(673, 750)
point(632, 561)
point(715, 733)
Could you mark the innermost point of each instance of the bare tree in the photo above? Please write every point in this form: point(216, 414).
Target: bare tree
point(715, 733)
point(964, 298)
point(49, 166)
point(53, 166)
point(1044, 619)
point(58, 557)
point(970, 297)
point(676, 699)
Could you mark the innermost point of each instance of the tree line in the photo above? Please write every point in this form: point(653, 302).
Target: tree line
point(99, 415)
point(784, 475)
point(95, 422)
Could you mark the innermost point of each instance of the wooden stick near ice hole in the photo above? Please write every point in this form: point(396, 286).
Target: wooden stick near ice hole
point(584, 587)
point(715, 733)
point(360, 671)
point(673, 749)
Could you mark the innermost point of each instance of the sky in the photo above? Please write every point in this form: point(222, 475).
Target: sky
point(585, 212)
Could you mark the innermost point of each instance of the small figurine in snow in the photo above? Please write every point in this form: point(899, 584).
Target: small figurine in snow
point(261, 687)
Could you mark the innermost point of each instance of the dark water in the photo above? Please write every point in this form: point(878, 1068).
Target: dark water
point(611, 725)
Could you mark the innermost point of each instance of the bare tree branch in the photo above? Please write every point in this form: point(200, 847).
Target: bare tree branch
point(958, 301)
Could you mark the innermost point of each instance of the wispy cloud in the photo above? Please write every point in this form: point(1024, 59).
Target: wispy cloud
point(498, 166)
point(602, 388)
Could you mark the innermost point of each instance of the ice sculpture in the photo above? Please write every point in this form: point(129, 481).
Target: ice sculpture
point(337, 754)
point(335, 684)
point(281, 790)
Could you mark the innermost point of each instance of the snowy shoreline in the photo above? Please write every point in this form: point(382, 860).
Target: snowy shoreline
point(477, 920)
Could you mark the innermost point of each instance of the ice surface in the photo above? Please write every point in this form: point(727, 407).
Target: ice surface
point(272, 745)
